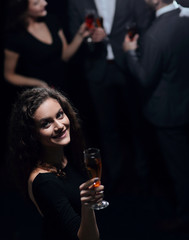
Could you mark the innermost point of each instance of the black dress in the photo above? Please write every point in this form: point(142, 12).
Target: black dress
point(38, 59)
point(59, 201)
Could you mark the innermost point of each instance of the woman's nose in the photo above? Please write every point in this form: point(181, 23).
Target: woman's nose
point(58, 125)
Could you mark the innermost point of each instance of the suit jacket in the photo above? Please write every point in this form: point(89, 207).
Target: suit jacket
point(126, 11)
point(184, 3)
point(163, 70)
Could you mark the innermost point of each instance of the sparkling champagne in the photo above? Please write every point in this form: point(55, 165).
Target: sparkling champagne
point(94, 168)
point(92, 159)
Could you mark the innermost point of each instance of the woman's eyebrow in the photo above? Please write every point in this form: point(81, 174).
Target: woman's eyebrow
point(48, 118)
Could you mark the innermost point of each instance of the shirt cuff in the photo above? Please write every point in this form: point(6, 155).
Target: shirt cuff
point(132, 53)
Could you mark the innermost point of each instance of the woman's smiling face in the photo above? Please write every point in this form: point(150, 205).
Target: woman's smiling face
point(52, 124)
point(36, 8)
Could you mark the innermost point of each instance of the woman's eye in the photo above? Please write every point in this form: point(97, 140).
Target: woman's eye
point(45, 124)
point(60, 115)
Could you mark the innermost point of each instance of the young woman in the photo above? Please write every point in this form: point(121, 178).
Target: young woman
point(35, 45)
point(46, 147)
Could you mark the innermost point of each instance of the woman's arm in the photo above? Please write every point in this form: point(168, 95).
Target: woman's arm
point(50, 199)
point(98, 34)
point(70, 49)
point(88, 228)
point(10, 63)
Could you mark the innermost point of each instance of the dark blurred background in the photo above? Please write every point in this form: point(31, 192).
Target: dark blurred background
point(130, 216)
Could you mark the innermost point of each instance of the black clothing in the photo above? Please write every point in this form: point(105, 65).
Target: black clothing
point(162, 70)
point(38, 59)
point(184, 3)
point(59, 201)
point(107, 83)
point(126, 11)
point(174, 145)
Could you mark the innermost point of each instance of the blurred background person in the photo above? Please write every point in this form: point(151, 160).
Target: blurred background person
point(35, 48)
point(35, 45)
point(162, 71)
point(184, 3)
point(112, 100)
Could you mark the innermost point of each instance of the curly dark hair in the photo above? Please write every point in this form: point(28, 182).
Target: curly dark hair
point(15, 14)
point(24, 146)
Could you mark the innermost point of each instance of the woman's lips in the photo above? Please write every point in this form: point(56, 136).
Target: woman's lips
point(61, 135)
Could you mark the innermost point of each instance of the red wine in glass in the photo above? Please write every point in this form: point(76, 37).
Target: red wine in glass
point(131, 30)
point(90, 18)
point(90, 15)
point(99, 22)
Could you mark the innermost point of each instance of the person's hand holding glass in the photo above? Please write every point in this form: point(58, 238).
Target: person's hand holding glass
point(94, 24)
point(90, 15)
point(131, 38)
point(131, 28)
point(92, 159)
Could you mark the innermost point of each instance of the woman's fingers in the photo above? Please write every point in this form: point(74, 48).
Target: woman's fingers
point(91, 199)
point(89, 183)
point(90, 194)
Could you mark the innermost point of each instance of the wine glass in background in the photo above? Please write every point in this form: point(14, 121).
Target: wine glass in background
point(92, 159)
point(90, 16)
point(131, 29)
point(99, 21)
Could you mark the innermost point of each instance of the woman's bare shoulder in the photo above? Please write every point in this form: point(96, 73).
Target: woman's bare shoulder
point(35, 172)
point(32, 176)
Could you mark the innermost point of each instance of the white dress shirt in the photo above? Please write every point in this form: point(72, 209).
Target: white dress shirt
point(106, 10)
point(184, 11)
point(167, 8)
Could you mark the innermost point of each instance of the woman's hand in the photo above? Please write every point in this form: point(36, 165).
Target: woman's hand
point(40, 83)
point(97, 33)
point(84, 31)
point(90, 194)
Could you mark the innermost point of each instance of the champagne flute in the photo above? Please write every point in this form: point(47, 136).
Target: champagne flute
point(92, 159)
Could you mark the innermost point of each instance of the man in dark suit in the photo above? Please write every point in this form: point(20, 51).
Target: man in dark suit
point(103, 67)
point(184, 3)
point(162, 69)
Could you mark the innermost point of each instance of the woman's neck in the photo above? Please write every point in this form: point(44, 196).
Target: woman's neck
point(55, 157)
point(32, 20)
point(33, 23)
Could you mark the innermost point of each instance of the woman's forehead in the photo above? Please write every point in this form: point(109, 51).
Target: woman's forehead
point(49, 107)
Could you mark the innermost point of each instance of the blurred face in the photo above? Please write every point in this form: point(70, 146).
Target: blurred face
point(36, 8)
point(53, 126)
point(151, 3)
